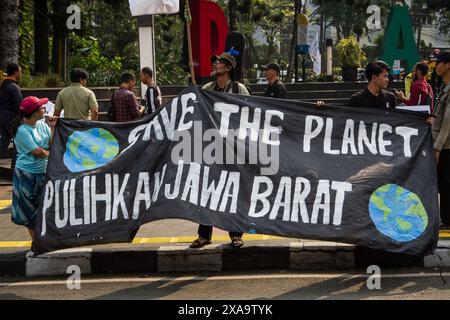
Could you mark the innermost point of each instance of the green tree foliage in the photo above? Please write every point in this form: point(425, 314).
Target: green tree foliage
point(111, 22)
point(25, 34)
point(86, 54)
point(442, 13)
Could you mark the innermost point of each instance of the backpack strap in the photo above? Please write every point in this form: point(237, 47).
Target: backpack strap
point(235, 87)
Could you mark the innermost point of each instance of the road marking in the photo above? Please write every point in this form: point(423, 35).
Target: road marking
point(187, 239)
point(343, 276)
point(5, 204)
point(158, 240)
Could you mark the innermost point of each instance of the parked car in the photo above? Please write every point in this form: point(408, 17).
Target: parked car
point(262, 81)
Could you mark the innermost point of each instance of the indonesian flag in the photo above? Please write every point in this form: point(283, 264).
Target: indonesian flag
point(148, 7)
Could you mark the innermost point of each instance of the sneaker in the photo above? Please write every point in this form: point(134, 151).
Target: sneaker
point(30, 254)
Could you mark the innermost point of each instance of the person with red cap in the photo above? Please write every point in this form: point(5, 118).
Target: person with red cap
point(32, 139)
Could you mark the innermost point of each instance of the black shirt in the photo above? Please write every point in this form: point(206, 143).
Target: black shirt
point(365, 98)
point(10, 97)
point(153, 97)
point(276, 90)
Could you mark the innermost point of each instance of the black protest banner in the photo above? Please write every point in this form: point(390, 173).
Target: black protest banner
point(250, 164)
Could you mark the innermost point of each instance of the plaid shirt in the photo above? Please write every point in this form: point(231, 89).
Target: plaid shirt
point(125, 105)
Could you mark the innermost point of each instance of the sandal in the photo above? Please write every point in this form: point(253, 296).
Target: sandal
point(237, 242)
point(199, 243)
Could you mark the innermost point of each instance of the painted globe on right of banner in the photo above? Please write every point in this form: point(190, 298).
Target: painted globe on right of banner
point(398, 213)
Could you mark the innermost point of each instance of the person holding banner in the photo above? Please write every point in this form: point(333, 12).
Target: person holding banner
point(376, 95)
point(224, 67)
point(441, 136)
point(224, 71)
point(32, 139)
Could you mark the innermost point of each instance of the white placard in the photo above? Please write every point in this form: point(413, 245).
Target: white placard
point(149, 7)
point(423, 109)
point(49, 109)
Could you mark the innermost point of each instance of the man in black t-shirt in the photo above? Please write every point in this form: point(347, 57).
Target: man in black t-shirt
point(276, 88)
point(10, 100)
point(375, 95)
point(153, 93)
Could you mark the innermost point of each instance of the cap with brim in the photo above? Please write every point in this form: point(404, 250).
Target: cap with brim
point(444, 57)
point(273, 66)
point(227, 58)
point(30, 104)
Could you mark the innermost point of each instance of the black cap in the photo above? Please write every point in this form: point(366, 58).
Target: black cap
point(444, 57)
point(274, 66)
point(434, 55)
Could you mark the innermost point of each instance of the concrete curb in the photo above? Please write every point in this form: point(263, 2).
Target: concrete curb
point(304, 256)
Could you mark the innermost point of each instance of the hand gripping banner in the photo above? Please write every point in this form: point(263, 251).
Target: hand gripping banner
point(249, 164)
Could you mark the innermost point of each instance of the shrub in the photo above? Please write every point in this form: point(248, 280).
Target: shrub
point(349, 53)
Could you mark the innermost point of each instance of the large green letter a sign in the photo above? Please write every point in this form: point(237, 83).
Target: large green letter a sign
point(399, 43)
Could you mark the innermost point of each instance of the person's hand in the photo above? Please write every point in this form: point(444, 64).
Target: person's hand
point(53, 121)
point(320, 104)
point(437, 154)
point(142, 110)
point(400, 95)
point(430, 120)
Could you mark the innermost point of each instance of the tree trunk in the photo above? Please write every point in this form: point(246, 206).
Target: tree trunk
point(9, 33)
point(41, 46)
point(232, 14)
point(293, 51)
point(59, 36)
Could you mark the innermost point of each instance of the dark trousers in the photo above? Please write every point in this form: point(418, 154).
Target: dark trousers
point(205, 232)
point(444, 185)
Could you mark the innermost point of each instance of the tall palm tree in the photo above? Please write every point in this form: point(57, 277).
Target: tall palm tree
point(9, 33)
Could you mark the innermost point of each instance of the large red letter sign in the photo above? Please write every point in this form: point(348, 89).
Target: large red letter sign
point(209, 30)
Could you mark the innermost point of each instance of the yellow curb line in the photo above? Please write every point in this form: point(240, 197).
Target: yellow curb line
point(20, 244)
point(5, 204)
point(161, 240)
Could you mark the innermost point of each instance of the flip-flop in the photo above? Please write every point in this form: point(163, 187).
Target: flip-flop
point(199, 243)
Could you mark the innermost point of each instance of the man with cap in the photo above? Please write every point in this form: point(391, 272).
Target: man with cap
point(433, 79)
point(223, 69)
point(441, 136)
point(276, 88)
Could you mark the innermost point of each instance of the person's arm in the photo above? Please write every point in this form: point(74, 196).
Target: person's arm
point(445, 128)
point(353, 101)
point(413, 100)
point(136, 110)
point(40, 153)
point(26, 143)
point(94, 114)
point(243, 90)
point(93, 106)
point(283, 92)
point(159, 98)
point(58, 106)
point(16, 98)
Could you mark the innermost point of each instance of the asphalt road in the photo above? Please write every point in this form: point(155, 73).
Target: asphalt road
point(401, 284)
